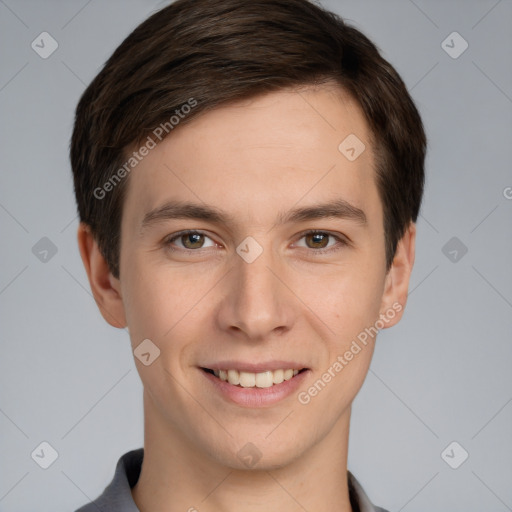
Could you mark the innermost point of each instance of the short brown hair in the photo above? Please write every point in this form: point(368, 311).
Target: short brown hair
point(217, 52)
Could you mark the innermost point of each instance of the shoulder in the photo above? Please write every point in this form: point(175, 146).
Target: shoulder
point(117, 495)
point(358, 498)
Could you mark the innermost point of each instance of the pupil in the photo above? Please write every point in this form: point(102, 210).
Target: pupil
point(193, 238)
point(318, 238)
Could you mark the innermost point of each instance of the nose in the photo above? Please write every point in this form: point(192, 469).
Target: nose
point(258, 304)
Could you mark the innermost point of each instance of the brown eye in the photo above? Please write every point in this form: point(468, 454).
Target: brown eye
point(189, 240)
point(317, 240)
point(192, 240)
point(322, 242)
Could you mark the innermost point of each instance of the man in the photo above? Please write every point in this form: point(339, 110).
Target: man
point(248, 176)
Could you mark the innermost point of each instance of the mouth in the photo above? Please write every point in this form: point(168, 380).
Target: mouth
point(264, 379)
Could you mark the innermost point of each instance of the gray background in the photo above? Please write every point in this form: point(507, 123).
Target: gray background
point(442, 375)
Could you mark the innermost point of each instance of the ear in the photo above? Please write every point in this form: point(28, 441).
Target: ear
point(105, 288)
point(397, 279)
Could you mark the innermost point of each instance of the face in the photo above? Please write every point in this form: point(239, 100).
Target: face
point(251, 243)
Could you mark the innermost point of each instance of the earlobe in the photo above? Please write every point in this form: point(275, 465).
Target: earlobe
point(397, 279)
point(104, 286)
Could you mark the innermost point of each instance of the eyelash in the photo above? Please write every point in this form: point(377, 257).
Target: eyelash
point(342, 242)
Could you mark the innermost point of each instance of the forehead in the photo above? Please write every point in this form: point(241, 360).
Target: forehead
point(255, 157)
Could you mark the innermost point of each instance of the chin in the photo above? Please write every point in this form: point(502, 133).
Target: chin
point(259, 454)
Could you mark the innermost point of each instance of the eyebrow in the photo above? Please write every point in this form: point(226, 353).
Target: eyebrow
point(338, 208)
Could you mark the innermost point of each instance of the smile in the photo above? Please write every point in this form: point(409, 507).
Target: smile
point(265, 379)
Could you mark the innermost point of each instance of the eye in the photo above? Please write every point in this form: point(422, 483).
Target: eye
point(192, 240)
point(189, 240)
point(319, 241)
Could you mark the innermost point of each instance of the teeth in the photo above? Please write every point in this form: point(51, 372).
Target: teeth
point(278, 376)
point(264, 380)
point(247, 380)
point(260, 380)
point(233, 377)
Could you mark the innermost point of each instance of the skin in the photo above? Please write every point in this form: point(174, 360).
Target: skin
point(251, 159)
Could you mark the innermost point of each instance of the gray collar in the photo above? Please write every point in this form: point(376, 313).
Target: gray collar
point(117, 496)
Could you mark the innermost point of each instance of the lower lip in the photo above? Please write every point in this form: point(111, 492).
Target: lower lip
point(256, 397)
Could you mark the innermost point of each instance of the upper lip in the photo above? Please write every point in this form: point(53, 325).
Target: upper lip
point(254, 367)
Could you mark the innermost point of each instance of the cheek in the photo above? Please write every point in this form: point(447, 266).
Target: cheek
point(347, 300)
point(350, 307)
point(145, 297)
point(162, 302)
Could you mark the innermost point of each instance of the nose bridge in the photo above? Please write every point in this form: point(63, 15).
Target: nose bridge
point(256, 280)
point(257, 304)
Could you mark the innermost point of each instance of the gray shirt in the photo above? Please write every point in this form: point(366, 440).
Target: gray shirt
point(117, 496)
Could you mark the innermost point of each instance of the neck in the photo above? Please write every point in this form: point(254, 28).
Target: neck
point(176, 476)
